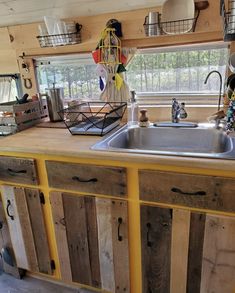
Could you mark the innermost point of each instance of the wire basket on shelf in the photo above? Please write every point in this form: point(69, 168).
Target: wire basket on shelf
point(180, 26)
point(70, 38)
point(93, 118)
point(228, 18)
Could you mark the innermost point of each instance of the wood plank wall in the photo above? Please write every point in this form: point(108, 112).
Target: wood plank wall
point(209, 28)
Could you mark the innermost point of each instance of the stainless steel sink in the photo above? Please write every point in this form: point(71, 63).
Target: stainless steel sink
point(194, 142)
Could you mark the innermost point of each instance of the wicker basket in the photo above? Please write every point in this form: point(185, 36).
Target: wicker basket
point(16, 117)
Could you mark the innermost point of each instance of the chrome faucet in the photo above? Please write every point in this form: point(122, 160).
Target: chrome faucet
point(177, 111)
point(220, 88)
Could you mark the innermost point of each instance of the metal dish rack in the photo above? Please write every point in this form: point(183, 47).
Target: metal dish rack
point(228, 18)
point(61, 39)
point(173, 27)
point(93, 118)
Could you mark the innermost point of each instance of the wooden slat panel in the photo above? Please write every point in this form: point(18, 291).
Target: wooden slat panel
point(75, 219)
point(196, 238)
point(218, 267)
point(5, 239)
point(25, 35)
point(156, 249)
point(120, 245)
point(92, 232)
point(225, 190)
point(104, 220)
point(39, 231)
point(61, 236)
point(5, 242)
point(64, 175)
point(18, 170)
point(8, 61)
point(179, 250)
point(15, 228)
point(177, 188)
point(27, 233)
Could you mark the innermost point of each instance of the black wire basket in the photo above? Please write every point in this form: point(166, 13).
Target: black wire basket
point(93, 118)
point(180, 26)
point(59, 40)
point(228, 18)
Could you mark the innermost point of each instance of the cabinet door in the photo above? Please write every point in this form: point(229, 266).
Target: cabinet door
point(187, 252)
point(27, 230)
point(92, 240)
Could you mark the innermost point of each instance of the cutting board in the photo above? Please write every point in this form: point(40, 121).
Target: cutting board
point(175, 10)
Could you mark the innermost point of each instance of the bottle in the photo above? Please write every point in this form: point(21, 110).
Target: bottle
point(144, 120)
point(132, 110)
point(183, 113)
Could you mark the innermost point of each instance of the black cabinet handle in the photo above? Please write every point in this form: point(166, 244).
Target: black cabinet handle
point(8, 213)
point(76, 178)
point(120, 238)
point(177, 190)
point(15, 172)
point(149, 243)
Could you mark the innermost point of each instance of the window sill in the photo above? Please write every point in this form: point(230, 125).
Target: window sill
point(196, 113)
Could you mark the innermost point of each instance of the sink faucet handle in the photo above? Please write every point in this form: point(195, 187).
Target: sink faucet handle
point(183, 113)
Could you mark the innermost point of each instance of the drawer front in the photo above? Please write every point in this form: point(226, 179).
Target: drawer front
point(18, 170)
point(196, 191)
point(87, 178)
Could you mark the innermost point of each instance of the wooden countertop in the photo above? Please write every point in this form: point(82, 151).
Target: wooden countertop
point(59, 142)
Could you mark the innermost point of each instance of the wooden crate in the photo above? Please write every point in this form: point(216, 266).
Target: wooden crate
point(16, 117)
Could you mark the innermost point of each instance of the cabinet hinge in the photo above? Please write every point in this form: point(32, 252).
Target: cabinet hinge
point(52, 264)
point(42, 198)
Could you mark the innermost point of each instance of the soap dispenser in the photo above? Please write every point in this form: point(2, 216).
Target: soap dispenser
point(132, 110)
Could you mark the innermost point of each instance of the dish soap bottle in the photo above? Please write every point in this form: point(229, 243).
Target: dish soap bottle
point(132, 110)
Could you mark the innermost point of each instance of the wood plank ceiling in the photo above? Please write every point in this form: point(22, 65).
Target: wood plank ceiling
point(14, 12)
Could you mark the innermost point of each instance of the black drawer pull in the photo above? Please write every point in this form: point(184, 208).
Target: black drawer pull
point(177, 190)
point(149, 243)
point(15, 172)
point(119, 224)
point(8, 213)
point(76, 178)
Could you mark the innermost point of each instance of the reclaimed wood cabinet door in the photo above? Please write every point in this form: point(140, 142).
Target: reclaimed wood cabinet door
point(23, 209)
point(187, 252)
point(92, 240)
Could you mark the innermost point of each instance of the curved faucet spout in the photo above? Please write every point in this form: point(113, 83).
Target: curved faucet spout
point(221, 81)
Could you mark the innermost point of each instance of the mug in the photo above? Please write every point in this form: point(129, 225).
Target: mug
point(152, 22)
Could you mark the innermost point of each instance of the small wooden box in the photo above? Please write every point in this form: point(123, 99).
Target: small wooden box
point(16, 117)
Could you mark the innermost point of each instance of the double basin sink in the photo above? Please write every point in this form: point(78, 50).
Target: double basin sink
point(199, 141)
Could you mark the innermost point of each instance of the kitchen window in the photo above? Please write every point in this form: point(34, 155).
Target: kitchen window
point(159, 74)
point(75, 73)
point(10, 87)
point(156, 74)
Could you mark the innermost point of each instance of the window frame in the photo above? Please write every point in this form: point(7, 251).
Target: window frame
point(194, 98)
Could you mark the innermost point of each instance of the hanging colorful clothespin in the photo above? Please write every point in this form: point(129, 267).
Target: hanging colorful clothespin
point(118, 81)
